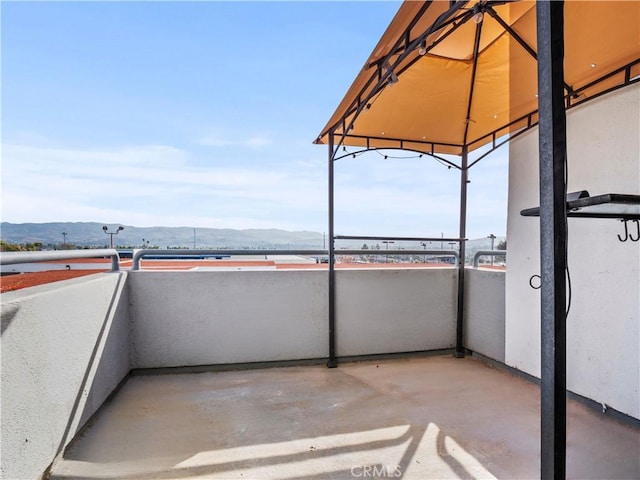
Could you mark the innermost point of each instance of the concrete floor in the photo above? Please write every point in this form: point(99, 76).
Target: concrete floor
point(418, 418)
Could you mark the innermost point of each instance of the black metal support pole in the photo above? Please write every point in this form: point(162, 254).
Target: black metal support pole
point(332, 363)
point(553, 237)
point(459, 353)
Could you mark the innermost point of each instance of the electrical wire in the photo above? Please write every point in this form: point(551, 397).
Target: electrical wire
point(566, 251)
point(387, 156)
point(566, 243)
point(395, 157)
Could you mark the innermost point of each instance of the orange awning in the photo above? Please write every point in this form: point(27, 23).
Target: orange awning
point(476, 79)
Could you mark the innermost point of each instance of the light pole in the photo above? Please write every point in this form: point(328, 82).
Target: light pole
point(111, 234)
point(387, 242)
point(424, 244)
point(492, 237)
point(64, 240)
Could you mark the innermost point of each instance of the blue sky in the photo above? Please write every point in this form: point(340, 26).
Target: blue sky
point(203, 114)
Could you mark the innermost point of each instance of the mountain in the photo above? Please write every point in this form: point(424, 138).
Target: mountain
point(92, 234)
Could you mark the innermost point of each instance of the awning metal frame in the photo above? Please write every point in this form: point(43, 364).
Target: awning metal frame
point(355, 153)
point(404, 46)
point(385, 68)
point(555, 96)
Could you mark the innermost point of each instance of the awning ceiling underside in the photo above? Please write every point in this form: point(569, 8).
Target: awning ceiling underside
point(478, 81)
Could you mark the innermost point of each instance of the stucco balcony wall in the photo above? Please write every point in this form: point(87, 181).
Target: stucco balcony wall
point(484, 314)
point(203, 318)
point(65, 348)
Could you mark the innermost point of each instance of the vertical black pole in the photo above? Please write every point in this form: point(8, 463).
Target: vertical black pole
point(332, 363)
point(553, 237)
point(459, 353)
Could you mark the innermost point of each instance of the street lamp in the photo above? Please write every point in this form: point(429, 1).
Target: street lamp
point(64, 239)
point(388, 242)
point(492, 237)
point(424, 244)
point(111, 234)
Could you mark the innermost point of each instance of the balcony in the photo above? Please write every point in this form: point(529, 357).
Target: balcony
point(221, 374)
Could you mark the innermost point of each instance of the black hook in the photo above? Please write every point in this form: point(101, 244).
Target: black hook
point(626, 232)
point(531, 282)
point(638, 227)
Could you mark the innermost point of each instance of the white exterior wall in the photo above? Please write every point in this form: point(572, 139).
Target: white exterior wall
point(65, 347)
point(484, 315)
point(603, 339)
point(201, 318)
point(389, 310)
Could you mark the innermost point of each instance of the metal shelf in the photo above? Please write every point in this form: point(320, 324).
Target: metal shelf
point(609, 205)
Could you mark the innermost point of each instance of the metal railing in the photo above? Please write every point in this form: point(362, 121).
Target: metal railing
point(420, 253)
point(487, 253)
point(138, 255)
point(15, 258)
point(186, 254)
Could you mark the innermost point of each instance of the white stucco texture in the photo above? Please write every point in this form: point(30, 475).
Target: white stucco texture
point(603, 338)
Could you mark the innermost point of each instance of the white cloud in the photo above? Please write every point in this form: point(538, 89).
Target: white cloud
point(153, 185)
point(150, 185)
point(234, 140)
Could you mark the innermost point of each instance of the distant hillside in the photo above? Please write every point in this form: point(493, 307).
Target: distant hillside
point(91, 234)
